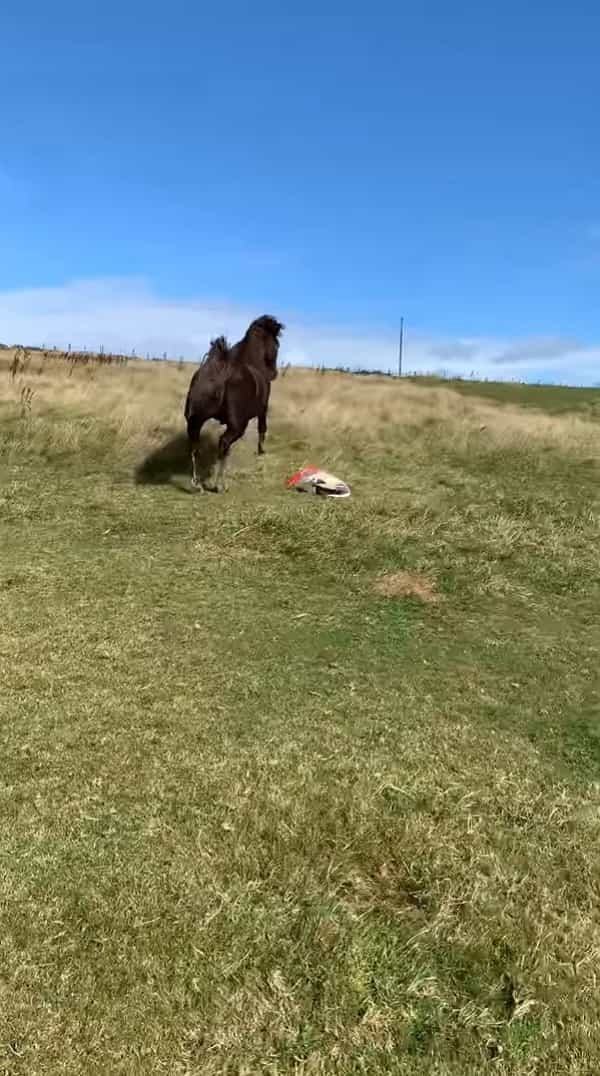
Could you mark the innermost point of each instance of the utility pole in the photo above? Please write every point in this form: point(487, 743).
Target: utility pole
point(400, 347)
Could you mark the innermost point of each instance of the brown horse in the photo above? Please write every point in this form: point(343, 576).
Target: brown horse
point(233, 385)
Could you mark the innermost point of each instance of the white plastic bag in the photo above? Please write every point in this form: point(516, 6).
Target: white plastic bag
point(321, 483)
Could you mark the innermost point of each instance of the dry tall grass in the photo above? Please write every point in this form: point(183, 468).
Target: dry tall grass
point(142, 402)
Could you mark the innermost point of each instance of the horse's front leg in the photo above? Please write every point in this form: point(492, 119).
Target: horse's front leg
point(262, 431)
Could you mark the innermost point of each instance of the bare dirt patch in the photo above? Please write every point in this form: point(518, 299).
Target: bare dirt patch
point(407, 585)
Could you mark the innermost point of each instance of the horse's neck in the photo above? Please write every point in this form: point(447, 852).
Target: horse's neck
point(253, 358)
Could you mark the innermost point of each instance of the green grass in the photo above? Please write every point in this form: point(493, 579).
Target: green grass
point(257, 818)
point(554, 399)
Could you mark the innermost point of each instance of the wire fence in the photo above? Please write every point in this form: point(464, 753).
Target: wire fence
point(102, 357)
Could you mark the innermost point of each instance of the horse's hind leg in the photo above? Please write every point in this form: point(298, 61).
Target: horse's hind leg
point(194, 427)
point(227, 439)
point(195, 480)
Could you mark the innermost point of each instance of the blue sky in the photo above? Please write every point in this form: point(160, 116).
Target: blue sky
point(165, 173)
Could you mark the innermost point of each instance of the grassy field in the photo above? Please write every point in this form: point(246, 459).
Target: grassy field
point(555, 399)
point(291, 785)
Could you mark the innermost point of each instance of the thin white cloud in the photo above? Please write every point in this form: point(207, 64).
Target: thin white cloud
point(545, 349)
point(122, 315)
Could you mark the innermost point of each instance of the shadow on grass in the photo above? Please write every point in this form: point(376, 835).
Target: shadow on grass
point(170, 463)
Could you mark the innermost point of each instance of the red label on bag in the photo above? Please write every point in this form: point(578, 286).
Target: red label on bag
point(299, 476)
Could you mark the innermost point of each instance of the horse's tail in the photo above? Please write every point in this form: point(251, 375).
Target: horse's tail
point(208, 382)
point(187, 410)
point(218, 351)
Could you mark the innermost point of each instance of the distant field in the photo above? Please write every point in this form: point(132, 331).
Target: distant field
point(294, 786)
point(555, 399)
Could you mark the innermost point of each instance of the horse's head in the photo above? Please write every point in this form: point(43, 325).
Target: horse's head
point(267, 330)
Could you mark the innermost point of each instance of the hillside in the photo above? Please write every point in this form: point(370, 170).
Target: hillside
point(291, 785)
point(554, 399)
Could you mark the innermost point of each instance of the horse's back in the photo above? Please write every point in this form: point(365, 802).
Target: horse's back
point(205, 395)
